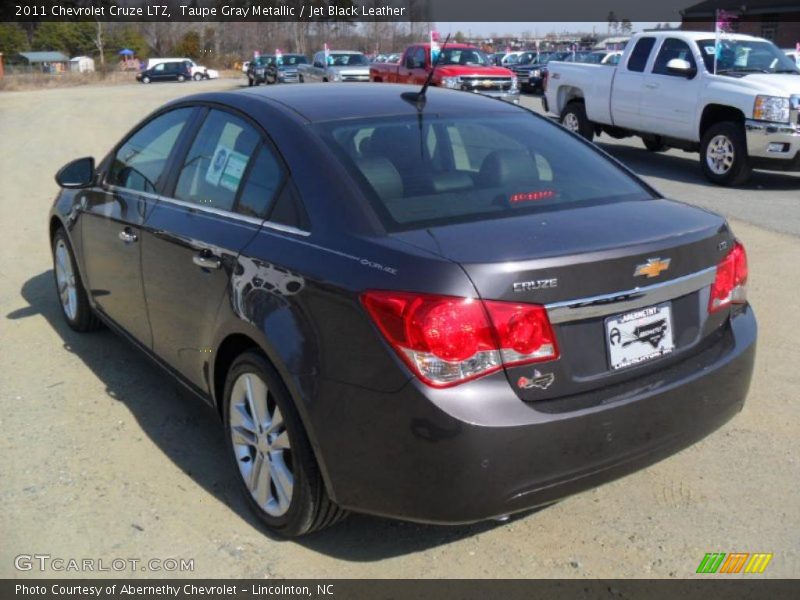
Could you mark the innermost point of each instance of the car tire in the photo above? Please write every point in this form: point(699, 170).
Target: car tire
point(253, 386)
point(72, 295)
point(181, 78)
point(249, 82)
point(654, 144)
point(574, 119)
point(723, 154)
point(197, 77)
point(145, 79)
point(301, 79)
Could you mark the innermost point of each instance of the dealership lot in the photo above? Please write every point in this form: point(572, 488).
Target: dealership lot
point(104, 457)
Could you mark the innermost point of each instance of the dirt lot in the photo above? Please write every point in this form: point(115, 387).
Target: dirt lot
point(103, 457)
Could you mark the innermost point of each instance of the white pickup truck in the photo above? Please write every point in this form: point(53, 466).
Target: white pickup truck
point(738, 105)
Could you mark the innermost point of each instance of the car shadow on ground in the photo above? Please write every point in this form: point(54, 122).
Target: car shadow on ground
point(686, 168)
point(189, 433)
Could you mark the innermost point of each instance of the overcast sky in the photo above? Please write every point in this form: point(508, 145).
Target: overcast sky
point(536, 29)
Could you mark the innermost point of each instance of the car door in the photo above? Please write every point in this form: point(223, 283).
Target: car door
point(220, 190)
point(629, 80)
point(412, 68)
point(159, 72)
point(317, 70)
point(670, 100)
point(113, 214)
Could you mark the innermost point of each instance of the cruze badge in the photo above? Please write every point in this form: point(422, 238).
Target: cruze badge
point(652, 268)
point(537, 381)
point(539, 284)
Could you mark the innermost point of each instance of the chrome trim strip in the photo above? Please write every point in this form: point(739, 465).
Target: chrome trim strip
point(214, 211)
point(607, 304)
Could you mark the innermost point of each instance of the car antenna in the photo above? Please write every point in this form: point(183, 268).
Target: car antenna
point(419, 98)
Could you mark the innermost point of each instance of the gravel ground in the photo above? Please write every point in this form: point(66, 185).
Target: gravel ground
point(104, 457)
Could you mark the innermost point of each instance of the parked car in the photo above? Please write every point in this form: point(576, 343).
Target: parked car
point(531, 73)
point(339, 66)
point(460, 67)
point(271, 68)
point(443, 314)
point(198, 72)
point(665, 89)
point(598, 57)
point(166, 71)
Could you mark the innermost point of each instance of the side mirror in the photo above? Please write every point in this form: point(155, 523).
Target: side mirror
point(678, 66)
point(76, 174)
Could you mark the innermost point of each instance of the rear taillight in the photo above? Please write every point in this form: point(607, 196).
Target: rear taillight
point(730, 284)
point(447, 340)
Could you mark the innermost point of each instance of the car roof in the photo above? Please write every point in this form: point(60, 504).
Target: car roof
point(700, 35)
point(336, 101)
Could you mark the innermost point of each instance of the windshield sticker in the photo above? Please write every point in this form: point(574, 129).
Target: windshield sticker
point(234, 170)
point(709, 50)
point(217, 165)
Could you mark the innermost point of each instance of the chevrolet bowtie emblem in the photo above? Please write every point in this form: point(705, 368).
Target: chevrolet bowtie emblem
point(652, 268)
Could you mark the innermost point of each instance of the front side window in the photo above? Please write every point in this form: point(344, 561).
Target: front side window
point(672, 48)
point(470, 168)
point(641, 52)
point(140, 162)
point(215, 165)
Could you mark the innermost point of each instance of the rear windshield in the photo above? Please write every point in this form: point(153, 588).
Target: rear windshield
point(441, 170)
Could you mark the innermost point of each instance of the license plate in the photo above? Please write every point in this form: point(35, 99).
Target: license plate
point(639, 336)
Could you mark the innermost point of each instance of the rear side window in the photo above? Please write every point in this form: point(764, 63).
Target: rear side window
point(139, 163)
point(467, 168)
point(640, 54)
point(216, 163)
point(263, 180)
point(289, 210)
point(670, 49)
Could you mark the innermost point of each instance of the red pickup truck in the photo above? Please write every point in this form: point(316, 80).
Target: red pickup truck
point(461, 67)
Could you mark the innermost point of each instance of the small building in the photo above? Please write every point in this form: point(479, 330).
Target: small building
point(81, 64)
point(613, 43)
point(775, 20)
point(47, 61)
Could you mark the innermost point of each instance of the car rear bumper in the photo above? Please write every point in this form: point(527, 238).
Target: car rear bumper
point(773, 145)
point(476, 451)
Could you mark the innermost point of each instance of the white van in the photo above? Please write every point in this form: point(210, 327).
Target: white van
point(198, 72)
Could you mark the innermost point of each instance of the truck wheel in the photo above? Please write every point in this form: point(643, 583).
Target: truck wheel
point(573, 118)
point(197, 77)
point(723, 154)
point(654, 144)
point(249, 82)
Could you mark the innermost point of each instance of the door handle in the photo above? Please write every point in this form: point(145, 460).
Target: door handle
point(127, 236)
point(206, 260)
point(652, 86)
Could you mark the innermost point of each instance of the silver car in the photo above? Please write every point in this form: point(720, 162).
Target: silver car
point(340, 65)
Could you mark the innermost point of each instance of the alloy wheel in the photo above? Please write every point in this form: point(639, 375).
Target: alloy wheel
point(720, 154)
point(572, 123)
point(65, 279)
point(261, 444)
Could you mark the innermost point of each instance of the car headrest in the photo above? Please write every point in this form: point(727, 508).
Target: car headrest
point(452, 181)
point(382, 176)
point(393, 141)
point(502, 167)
